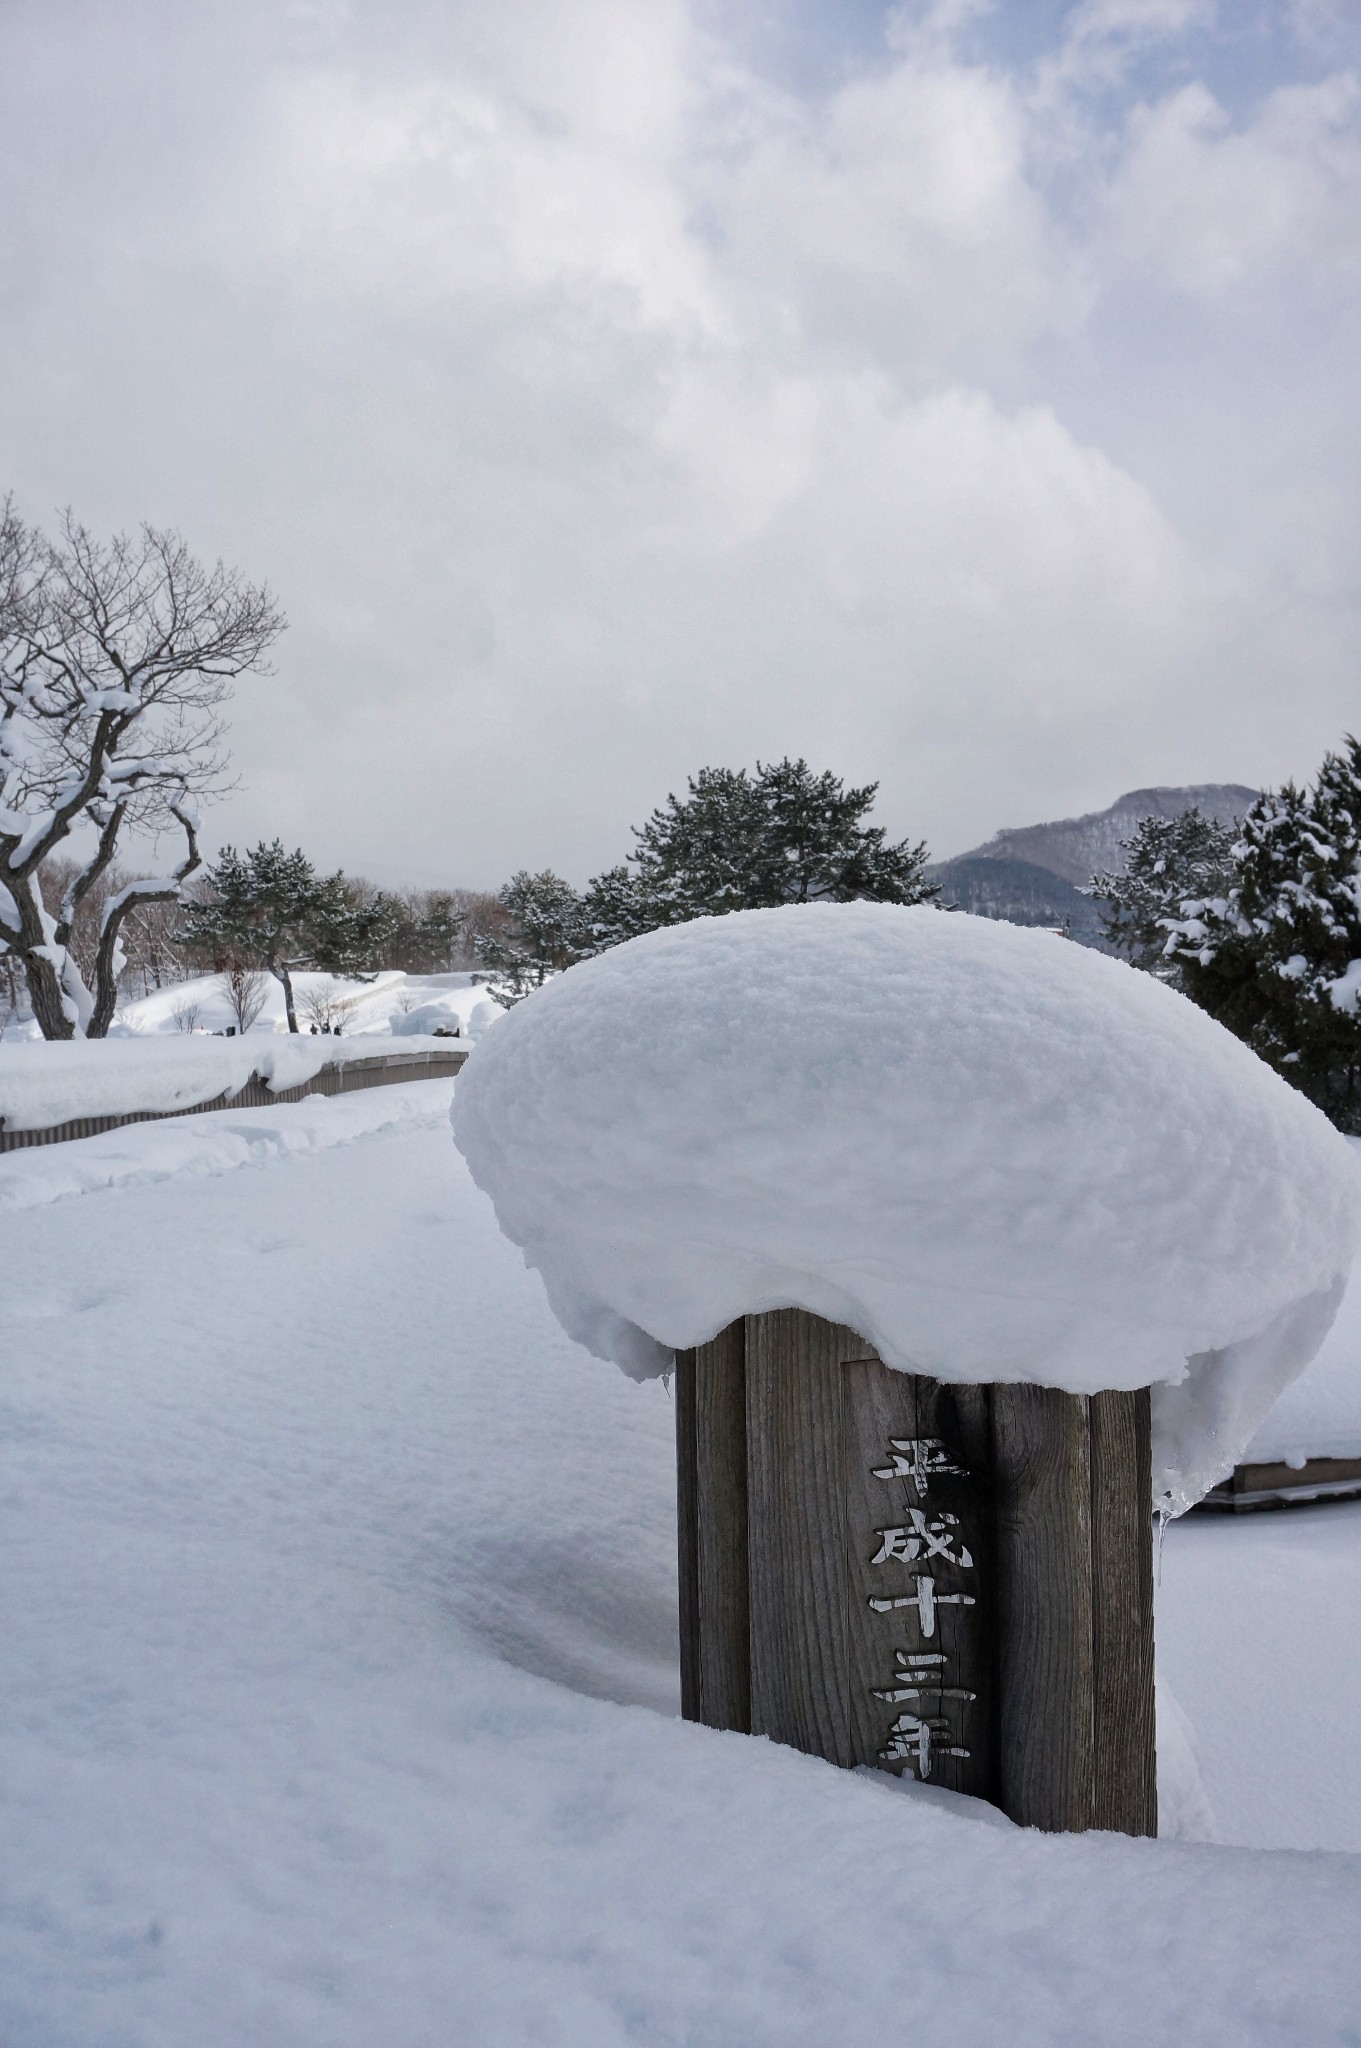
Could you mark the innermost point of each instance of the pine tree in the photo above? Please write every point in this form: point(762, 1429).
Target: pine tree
point(428, 929)
point(1277, 957)
point(696, 857)
point(1168, 861)
point(615, 907)
point(750, 842)
point(545, 935)
point(816, 847)
point(268, 908)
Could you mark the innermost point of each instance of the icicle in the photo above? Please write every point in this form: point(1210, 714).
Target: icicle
point(1163, 1519)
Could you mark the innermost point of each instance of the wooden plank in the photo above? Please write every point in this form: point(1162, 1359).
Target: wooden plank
point(721, 1532)
point(796, 1531)
point(1255, 1488)
point(1125, 1780)
point(920, 1623)
point(687, 1554)
point(1046, 1705)
point(1282, 1477)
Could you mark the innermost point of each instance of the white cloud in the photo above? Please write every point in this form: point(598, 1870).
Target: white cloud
point(900, 209)
point(1212, 207)
point(600, 409)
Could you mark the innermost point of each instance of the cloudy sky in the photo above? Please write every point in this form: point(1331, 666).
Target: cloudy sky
point(964, 396)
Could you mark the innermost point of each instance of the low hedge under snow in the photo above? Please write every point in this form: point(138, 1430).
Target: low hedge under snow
point(994, 1154)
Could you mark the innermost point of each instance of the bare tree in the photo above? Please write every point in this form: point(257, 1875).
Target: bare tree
point(245, 989)
point(9, 989)
point(151, 955)
point(324, 1006)
point(154, 956)
point(485, 917)
point(186, 1011)
point(114, 660)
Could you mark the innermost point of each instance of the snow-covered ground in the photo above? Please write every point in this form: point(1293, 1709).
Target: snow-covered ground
point(339, 1685)
point(391, 1001)
point(1319, 1414)
point(168, 1051)
point(1259, 1636)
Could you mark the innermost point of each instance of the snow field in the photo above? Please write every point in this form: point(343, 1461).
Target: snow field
point(1319, 1414)
point(183, 1147)
point(1259, 1636)
point(391, 1001)
point(339, 1688)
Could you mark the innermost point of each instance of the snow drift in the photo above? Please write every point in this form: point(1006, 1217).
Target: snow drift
point(994, 1154)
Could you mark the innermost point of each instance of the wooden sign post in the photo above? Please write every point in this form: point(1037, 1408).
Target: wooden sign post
point(955, 1582)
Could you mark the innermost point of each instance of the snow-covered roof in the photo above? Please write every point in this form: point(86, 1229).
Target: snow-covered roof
point(996, 1155)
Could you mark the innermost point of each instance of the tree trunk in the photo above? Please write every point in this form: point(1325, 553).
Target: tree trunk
point(106, 1002)
point(32, 946)
point(281, 973)
point(45, 994)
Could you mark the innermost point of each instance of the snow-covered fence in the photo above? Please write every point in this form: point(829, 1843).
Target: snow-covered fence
point(331, 1072)
point(969, 1248)
point(1250, 1486)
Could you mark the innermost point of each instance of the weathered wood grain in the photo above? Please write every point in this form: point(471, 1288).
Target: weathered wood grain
point(711, 1531)
point(920, 1622)
point(720, 1424)
point(956, 1581)
point(796, 1544)
point(687, 1534)
point(1041, 1453)
point(1125, 1790)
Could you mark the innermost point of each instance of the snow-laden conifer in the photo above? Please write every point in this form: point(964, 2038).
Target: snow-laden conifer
point(740, 841)
point(1277, 956)
point(1167, 862)
point(544, 935)
point(270, 908)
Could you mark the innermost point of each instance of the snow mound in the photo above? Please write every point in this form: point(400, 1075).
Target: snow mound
point(994, 1154)
point(443, 1013)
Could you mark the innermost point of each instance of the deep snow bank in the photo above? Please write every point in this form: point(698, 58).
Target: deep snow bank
point(996, 1155)
point(192, 1147)
point(317, 1632)
point(45, 1083)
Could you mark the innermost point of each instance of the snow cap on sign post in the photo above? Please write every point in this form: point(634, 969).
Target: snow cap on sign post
point(997, 1155)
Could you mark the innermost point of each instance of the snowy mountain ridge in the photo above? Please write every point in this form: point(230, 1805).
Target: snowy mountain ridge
point(1036, 874)
point(1078, 848)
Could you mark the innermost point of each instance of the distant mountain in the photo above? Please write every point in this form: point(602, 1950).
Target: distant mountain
point(1021, 893)
point(1034, 874)
point(1078, 848)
